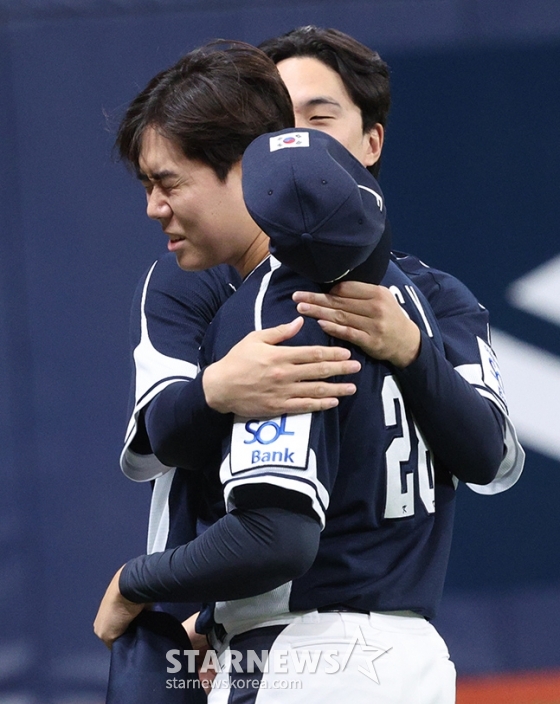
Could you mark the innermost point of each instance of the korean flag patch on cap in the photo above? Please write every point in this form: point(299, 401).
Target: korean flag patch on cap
point(289, 140)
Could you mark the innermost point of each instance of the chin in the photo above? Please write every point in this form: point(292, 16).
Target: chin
point(189, 263)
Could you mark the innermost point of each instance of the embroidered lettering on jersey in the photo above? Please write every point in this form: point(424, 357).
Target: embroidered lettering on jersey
point(280, 442)
point(288, 141)
point(490, 369)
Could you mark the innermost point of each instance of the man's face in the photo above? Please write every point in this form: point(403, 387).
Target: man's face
point(321, 102)
point(205, 218)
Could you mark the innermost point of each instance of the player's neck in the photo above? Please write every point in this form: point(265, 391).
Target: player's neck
point(253, 255)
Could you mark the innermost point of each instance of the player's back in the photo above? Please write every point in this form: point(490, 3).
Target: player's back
point(363, 467)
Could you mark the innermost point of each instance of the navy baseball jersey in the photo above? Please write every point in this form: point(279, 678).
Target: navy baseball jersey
point(171, 312)
point(465, 329)
point(364, 466)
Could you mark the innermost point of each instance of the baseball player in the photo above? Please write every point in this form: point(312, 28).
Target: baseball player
point(341, 87)
point(172, 310)
point(245, 247)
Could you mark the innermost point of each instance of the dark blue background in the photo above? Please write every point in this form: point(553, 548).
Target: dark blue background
point(470, 174)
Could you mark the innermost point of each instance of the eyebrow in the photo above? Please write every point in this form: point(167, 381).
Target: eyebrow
point(322, 100)
point(157, 176)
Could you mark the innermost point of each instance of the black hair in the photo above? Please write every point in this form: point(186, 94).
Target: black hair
point(212, 103)
point(364, 73)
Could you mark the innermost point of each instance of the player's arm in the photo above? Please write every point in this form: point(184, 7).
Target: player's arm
point(171, 312)
point(464, 429)
point(276, 495)
point(269, 536)
point(260, 377)
point(185, 430)
point(269, 539)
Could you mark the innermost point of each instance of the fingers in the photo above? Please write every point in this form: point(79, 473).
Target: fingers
point(324, 370)
point(281, 332)
point(308, 355)
point(317, 305)
point(317, 299)
point(355, 289)
point(344, 290)
point(345, 332)
point(322, 390)
point(315, 396)
point(340, 317)
point(296, 406)
point(326, 355)
point(302, 355)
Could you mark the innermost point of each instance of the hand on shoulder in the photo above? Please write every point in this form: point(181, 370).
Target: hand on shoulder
point(366, 315)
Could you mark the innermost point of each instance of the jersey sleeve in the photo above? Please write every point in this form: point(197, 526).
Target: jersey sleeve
point(270, 535)
point(241, 555)
point(298, 453)
point(465, 330)
point(171, 311)
point(287, 452)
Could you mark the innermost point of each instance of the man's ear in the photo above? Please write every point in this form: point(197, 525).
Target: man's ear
point(374, 145)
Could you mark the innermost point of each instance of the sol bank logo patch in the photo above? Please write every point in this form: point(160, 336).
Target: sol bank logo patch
point(281, 442)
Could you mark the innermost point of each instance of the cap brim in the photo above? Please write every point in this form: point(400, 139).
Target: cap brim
point(373, 269)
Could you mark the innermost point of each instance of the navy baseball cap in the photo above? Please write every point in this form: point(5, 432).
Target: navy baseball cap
point(139, 673)
point(323, 211)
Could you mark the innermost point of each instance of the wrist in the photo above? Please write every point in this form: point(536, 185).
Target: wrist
point(410, 347)
point(212, 387)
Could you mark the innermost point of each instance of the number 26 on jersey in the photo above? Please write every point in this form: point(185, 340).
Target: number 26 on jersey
point(401, 472)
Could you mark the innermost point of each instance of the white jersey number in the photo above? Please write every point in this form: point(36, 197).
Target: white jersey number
point(399, 502)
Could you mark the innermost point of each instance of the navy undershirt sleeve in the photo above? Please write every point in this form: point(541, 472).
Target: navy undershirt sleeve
point(247, 552)
point(182, 428)
point(464, 430)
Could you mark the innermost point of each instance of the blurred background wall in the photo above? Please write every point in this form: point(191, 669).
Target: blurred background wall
point(471, 178)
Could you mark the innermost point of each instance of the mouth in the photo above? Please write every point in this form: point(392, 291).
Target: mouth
point(174, 242)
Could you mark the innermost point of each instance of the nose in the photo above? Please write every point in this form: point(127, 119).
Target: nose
point(157, 207)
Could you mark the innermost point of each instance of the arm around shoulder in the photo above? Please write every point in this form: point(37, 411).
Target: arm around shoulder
point(464, 430)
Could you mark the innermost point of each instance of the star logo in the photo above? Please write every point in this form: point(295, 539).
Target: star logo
point(375, 652)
